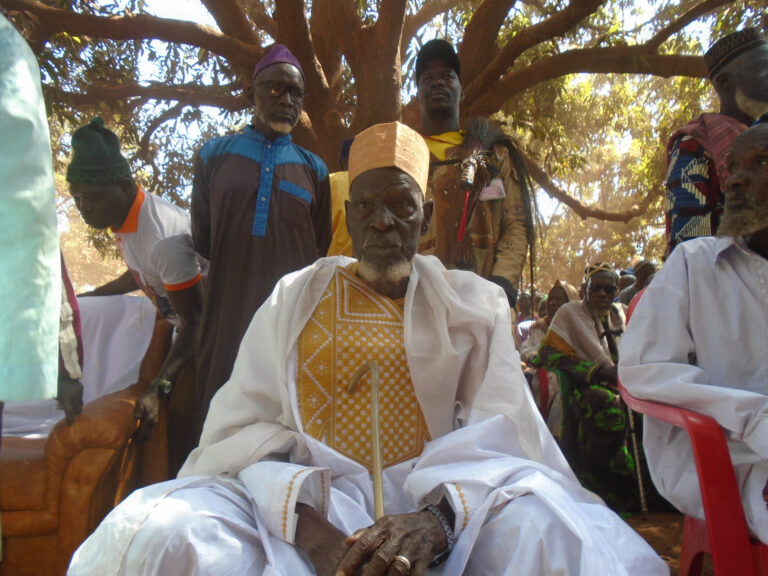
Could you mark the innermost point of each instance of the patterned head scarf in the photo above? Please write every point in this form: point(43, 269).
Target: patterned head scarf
point(390, 145)
point(96, 157)
point(590, 270)
point(729, 47)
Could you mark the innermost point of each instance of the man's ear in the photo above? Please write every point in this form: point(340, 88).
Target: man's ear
point(428, 209)
point(724, 82)
point(248, 93)
point(461, 96)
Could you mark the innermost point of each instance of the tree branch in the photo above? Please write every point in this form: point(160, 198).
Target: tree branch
point(391, 18)
point(479, 42)
point(230, 17)
point(615, 59)
point(139, 27)
point(345, 26)
point(553, 26)
point(378, 75)
point(584, 211)
point(413, 22)
point(683, 21)
point(261, 18)
point(145, 151)
point(187, 95)
point(326, 46)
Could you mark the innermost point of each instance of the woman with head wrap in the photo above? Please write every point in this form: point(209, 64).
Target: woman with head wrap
point(581, 345)
point(561, 293)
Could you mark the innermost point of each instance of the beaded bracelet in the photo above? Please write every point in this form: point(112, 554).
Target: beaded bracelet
point(449, 536)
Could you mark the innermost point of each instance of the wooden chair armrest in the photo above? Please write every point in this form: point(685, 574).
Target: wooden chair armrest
point(106, 422)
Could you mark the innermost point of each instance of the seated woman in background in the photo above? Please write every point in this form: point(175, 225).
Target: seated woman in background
point(582, 345)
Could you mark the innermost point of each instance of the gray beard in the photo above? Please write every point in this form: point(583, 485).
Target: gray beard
point(395, 272)
point(752, 108)
point(743, 221)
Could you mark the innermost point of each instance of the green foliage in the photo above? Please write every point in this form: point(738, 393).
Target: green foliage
point(600, 137)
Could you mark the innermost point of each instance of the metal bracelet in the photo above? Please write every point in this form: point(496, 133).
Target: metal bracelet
point(449, 536)
point(164, 385)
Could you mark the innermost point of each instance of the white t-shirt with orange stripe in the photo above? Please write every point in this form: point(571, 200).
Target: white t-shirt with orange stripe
point(156, 243)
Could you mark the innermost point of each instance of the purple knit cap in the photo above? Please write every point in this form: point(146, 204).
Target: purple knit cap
point(279, 54)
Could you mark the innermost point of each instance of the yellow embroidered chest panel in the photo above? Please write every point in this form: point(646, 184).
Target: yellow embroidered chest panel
point(353, 325)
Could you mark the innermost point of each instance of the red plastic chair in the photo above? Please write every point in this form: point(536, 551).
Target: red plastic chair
point(724, 534)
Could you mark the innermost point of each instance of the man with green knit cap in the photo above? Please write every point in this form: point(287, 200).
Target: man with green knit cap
point(155, 240)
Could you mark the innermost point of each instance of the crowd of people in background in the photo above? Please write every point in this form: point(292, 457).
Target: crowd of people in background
point(413, 208)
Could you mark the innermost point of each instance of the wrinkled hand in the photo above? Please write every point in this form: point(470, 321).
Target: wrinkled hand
point(70, 397)
point(609, 374)
point(146, 412)
point(418, 536)
point(321, 541)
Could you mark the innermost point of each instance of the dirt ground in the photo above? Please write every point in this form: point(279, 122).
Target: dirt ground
point(664, 532)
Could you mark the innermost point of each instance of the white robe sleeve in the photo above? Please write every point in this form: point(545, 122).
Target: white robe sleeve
point(276, 488)
point(657, 354)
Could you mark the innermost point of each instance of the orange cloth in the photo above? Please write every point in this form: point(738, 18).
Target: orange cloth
point(353, 324)
point(341, 243)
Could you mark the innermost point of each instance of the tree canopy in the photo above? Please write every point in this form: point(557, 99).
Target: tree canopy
point(589, 87)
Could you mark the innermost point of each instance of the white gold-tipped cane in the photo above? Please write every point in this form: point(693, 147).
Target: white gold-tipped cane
point(378, 474)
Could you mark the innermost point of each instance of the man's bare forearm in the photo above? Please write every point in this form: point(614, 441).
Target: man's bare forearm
point(123, 284)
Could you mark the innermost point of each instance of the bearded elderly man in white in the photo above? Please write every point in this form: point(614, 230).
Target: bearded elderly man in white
point(699, 340)
point(285, 479)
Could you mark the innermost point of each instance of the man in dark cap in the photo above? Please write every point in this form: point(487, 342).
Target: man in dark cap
point(155, 240)
point(696, 166)
point(485, 224)
point(643, 274)
point(261, 208)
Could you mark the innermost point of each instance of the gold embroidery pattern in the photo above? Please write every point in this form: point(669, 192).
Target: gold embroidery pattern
point(287, 501)
point(352, 325)
point(463, 505)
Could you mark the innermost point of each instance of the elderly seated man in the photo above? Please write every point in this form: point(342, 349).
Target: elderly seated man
point(287, 478)
point(699, 336)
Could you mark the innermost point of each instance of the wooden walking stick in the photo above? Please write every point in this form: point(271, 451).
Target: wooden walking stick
point(643, 504)
point(378, 474)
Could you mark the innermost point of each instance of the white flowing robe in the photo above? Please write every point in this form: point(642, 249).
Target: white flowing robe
point(491, 455)
point(30, 283)
point(698, 339)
